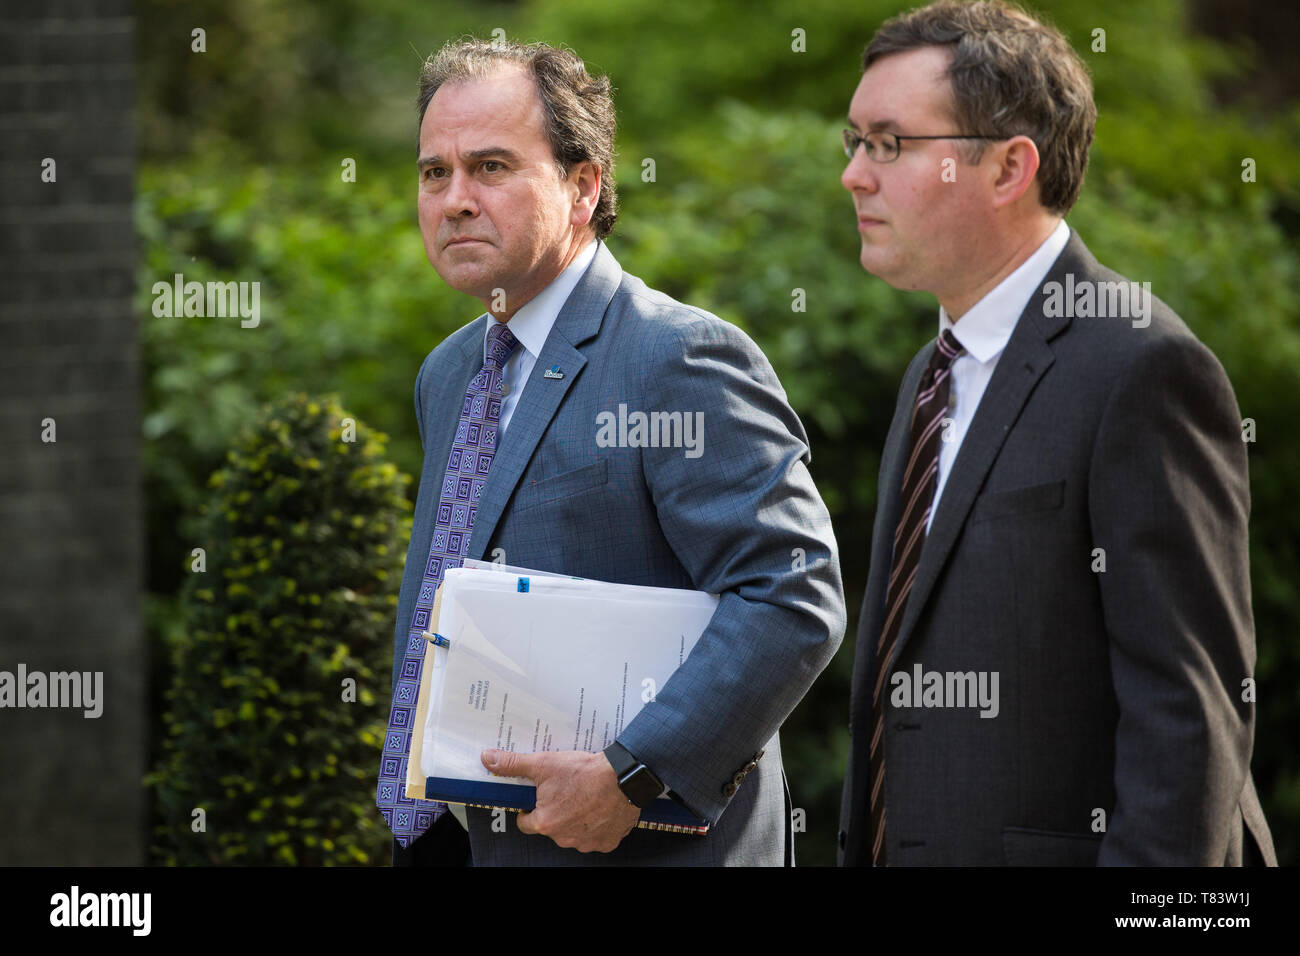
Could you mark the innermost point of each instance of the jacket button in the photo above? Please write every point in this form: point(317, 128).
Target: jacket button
point(844, 838)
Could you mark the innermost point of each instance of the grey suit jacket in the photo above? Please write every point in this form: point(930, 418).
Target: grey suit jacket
point(1121, 735)
point(741, 519)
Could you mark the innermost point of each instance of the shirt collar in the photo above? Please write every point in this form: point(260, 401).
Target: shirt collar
point(532, 323)
point(985, 330)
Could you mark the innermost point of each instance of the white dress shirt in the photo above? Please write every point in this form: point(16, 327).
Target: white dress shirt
point(984, 332)
point(531, 325)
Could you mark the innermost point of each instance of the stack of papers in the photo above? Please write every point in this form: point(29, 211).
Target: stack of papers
point(530, 661)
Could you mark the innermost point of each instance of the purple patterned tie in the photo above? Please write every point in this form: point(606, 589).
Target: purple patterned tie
point(462, 486)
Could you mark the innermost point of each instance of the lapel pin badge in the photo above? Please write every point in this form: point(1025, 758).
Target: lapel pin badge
point(553, 372)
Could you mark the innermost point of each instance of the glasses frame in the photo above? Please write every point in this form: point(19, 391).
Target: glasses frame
point(853, 139)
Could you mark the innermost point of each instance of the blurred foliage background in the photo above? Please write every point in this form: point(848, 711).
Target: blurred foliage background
point(243, 145)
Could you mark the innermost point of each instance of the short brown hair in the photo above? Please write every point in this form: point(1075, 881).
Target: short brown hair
point(1010, 75)
point(578, 108)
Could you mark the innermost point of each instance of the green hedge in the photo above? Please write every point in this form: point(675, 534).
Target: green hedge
point(280, 692)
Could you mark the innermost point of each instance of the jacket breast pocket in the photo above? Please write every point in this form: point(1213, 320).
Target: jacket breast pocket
point(1018, 501)
point(565, 485)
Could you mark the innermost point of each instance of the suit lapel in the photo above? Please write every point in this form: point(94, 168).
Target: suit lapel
point(1022, 364)
point(579, 320)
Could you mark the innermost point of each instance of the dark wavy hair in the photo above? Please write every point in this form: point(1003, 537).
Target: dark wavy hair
point(578, 108)
point(1010, 75)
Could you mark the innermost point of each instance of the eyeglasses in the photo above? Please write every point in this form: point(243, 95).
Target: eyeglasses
point(883, 147)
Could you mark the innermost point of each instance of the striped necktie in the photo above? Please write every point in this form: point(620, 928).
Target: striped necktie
point(919, 480)
point(462, 486)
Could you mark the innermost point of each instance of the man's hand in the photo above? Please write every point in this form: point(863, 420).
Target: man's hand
point(579, 804)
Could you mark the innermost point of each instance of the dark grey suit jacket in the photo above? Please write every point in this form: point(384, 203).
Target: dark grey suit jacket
point(741, 519)
point(1121, 735)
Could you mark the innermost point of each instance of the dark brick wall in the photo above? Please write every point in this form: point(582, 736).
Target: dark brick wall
point(71, 542)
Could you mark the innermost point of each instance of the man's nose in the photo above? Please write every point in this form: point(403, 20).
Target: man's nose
point(860, 172)
point(459, 198)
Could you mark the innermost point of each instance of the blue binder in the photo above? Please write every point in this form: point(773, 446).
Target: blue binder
point(667, 815)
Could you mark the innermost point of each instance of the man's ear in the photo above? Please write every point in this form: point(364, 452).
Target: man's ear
point(586, 179)
point(1017, 160)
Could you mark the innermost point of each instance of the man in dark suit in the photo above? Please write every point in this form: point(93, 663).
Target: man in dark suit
point(515, 200)
point(1055, 654)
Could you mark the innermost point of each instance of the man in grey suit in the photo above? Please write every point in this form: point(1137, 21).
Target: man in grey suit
point(702, 483)
point(1055, 655)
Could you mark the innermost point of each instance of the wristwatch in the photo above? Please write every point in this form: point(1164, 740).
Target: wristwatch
point(638, 783)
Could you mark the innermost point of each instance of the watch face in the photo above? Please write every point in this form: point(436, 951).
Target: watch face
point(641, 787)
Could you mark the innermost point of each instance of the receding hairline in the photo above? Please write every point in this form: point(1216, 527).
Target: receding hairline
point(491, 71)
